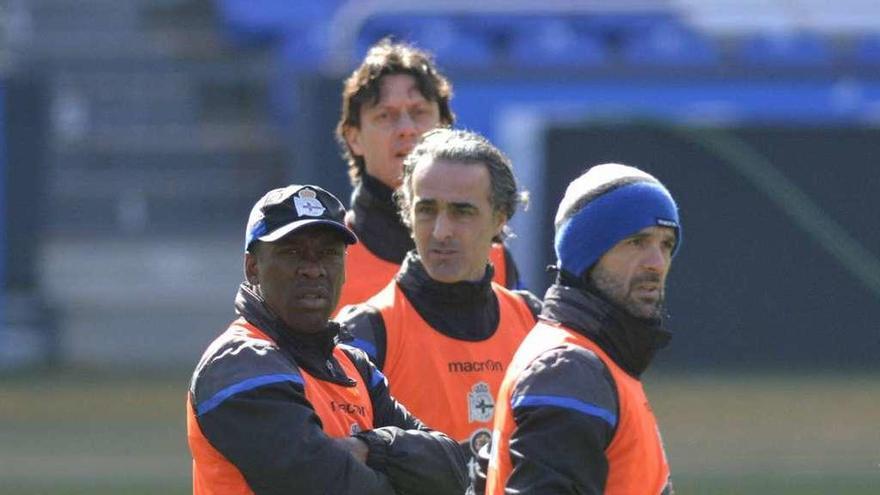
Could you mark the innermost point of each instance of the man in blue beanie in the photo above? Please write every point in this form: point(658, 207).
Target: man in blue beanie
point(571, 415)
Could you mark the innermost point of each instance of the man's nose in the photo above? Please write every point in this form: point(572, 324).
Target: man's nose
point(310, 266)
point(406, 125)
point(442, 226)
point(655, 259)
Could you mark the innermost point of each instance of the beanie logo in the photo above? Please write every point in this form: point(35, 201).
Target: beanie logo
point(307, 204)
point(665, 222)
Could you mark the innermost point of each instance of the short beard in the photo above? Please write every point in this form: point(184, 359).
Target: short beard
point(619, 295)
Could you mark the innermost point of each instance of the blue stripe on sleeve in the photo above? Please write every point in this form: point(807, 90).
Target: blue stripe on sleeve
point(365, 346)
point(564, 402)
point(378, 377)
point(250, 383)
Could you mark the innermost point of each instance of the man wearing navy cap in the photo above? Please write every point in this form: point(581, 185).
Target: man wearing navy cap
point(571, 415)
point(276, 404)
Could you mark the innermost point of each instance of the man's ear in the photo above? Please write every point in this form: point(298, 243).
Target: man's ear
point(353, 138)
point(251, 268)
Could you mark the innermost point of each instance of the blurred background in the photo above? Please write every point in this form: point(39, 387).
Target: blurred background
point(135, 135)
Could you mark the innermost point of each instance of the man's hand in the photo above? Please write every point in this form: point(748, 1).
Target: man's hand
point(357, 447)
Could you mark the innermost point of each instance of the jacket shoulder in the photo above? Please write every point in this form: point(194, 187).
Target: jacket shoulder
point(364, 328)
point(236, 361)
point(532, 301)
point(365, 366)
point(571, 377)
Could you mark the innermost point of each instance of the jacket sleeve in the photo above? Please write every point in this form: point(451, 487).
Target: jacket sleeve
point(565, 408)
point(416, 459)
point(532, 301)
point(273, 436)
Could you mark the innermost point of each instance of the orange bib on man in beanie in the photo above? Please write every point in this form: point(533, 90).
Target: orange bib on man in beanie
point(636, 460)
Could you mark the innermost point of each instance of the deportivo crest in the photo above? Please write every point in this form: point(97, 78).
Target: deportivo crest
point(307, 204)
point(481, 404)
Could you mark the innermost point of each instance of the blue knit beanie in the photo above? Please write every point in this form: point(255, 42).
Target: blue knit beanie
point(605, 205)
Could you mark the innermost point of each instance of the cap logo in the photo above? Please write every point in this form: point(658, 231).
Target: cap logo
point(307, 204)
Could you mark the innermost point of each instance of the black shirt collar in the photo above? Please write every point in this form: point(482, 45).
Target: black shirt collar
point(463, 310)
point(373, 217)
point(413, 277)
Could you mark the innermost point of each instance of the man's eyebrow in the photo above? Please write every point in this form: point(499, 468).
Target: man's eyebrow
point(378, 107)
point(667, 234)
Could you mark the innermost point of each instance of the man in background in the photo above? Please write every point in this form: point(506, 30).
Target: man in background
point(388, 102)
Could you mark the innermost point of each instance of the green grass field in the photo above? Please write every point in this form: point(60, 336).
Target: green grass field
point(75, 432)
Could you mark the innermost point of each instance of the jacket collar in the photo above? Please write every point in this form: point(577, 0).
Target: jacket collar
point(462, 310)
point(312, 352)
point(373, 217)
point(413, 278)
point(631, 342)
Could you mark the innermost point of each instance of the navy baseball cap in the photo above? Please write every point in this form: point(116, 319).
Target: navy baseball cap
point(288, 209)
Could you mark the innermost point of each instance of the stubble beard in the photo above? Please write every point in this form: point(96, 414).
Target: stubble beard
point(621, 294)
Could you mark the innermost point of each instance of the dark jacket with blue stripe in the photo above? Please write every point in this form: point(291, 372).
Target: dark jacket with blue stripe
point(570, 438)
point(252, 408)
